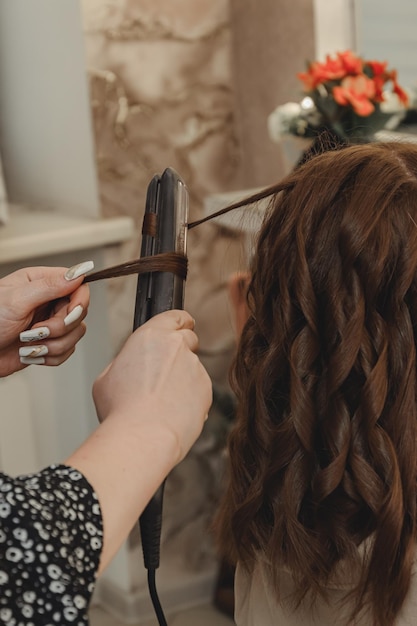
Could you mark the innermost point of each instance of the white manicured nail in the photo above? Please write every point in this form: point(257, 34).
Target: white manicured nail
point(73, 315)
point(29, 361)
point(35, 334)
point(78, 270)
point(33, 351)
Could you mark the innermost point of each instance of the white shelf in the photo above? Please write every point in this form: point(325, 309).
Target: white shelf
point(30, 233)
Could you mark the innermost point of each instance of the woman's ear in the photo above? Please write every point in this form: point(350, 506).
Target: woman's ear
point(238, 288)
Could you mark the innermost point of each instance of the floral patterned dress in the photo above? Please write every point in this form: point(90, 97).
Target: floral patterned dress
point(51, 537)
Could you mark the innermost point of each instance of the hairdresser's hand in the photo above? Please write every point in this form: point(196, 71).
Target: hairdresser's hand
point(157, 383)
point(41, 315)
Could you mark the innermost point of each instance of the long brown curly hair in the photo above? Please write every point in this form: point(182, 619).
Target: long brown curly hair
point(323, 455)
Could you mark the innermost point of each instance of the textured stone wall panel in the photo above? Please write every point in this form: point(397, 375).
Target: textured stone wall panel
point(160, 76)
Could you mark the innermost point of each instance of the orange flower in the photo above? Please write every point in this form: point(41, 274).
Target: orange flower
point(378, 68)
point(345, 63)
point(380, 77)
point(308, 78)
point(316, 74)
point(403, 97)
point(357, 91)
point(351, 82)
point(379, 83)
point(350, 62)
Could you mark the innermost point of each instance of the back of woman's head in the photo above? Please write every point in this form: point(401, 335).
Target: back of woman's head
point(324, 451)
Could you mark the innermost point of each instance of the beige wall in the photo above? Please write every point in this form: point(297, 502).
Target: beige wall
point(272, 39)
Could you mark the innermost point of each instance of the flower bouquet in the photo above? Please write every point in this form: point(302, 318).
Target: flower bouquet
point(351, 97)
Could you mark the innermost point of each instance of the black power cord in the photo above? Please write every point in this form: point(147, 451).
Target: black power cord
point(150, 528)
point(155, 599)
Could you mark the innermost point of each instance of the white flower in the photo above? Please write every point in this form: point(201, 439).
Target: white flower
point(281, 119)
point(307, 104)
point(392, 104)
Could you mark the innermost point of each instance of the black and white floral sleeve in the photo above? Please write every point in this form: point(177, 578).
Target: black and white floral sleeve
point(51, 537)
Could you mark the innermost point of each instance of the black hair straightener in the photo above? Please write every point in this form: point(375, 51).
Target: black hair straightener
point(164, 230)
